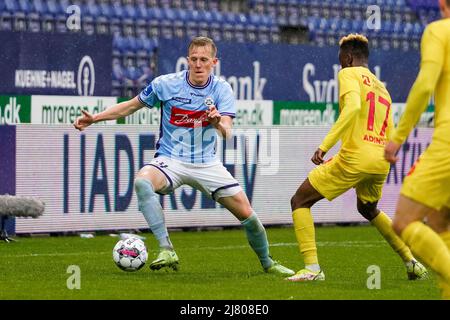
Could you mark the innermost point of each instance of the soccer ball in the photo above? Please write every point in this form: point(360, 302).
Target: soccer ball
point(130, 254)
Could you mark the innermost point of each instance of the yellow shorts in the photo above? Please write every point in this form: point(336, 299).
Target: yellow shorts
point(428, 181)
point(331, 180)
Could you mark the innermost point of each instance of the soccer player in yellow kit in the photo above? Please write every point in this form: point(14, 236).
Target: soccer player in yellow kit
point(363, 125)
point(426, 191)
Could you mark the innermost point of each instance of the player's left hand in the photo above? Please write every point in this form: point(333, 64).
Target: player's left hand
point(318, 156)
point(213, 115)
point(390, 151)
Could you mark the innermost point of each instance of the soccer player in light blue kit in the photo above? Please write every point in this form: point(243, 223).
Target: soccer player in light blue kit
point(195, 106)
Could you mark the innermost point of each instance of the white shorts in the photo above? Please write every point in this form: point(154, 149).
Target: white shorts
point(213, 179)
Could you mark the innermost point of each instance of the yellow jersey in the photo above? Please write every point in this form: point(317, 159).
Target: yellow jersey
point(364, 124)
point(434, 75)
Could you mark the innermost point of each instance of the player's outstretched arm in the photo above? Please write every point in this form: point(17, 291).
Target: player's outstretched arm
point(223, 124)
point(418, 99)
point(416, 104)
point(114, 112)
point(433, 54)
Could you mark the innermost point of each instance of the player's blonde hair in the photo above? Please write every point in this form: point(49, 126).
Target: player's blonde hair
point(201, 42)
point(353, 37)
point(356, 44)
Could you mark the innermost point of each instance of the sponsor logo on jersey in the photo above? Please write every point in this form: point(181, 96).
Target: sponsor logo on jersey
point(188, 118)
point(373, 139)
point(148, 90)
point(366, 80)
point(183, 100)
point(197, 94)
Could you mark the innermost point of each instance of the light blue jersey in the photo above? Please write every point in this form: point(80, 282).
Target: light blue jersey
point(185, 133)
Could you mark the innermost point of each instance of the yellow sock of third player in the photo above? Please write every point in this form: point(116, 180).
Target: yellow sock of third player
point(429, 247)
point(384, 225)
point(305, 233)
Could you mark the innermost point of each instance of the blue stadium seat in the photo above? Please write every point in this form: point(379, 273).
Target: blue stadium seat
point(240, 27)
point(165, 3)
point(206, 19)
point(106, 11)
point(119, 44)
point(57, 7)
point(132, 73)
point(212, 5)
point(11, 6)
point(146, 74)
point(25, 6)
point(167, 16)
point(118, 74)
point(145, 46)
point(215, 28)
point(88, 25)
point(130, 11)
point(180, 22)
point(357, 25)
point(101, 25)
point(192, 25)
point(387, 27)
point(118, 12)
point(141, 11)
point(153, 23)
point(92, 9)
point(47, 20)
point(418, 30)
point(6, 21)
point(132, 46)
point(18, 16)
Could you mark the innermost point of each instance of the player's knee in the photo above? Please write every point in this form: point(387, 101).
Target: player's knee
point(247, 211)
point(367, 212)
point(245, 208)
point(297, 201)
point(144, 189)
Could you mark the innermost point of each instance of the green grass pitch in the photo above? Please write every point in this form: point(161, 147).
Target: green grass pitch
point(214, 265)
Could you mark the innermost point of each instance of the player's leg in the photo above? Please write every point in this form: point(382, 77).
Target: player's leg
point(424, 194)
point(439, 221)
point(302, 201)
point(240, 207)
point(328, 180)
point(425, 243)
point(148, 182)
point(381, 221)
point(216, 182)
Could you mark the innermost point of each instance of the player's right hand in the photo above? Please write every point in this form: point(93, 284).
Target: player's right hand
point(318, 156)
point(84, 121)
point(390, 151)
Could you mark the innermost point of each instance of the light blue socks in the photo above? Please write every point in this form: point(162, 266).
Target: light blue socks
point(257, 238)
point(149, 205)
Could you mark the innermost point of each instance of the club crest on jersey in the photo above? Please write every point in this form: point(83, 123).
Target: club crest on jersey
point(188, 118)
point(209, 101)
